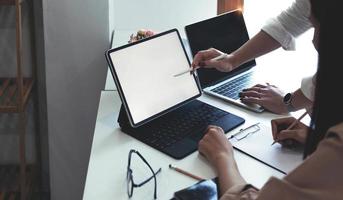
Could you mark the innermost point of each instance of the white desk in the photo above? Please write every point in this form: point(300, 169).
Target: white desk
point(106, 178)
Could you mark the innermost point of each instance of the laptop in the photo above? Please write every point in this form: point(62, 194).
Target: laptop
point(158, 108)
point(225, 32)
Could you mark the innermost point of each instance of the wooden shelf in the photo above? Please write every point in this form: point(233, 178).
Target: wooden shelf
point(9, 94)
point(14, 95)
point(10, 181)
point(9, 2)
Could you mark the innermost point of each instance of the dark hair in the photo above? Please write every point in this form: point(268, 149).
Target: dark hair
point(328, 103)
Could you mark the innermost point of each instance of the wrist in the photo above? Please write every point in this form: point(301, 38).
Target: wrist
point(287, 100)
point(224, 162)
point(234, 60)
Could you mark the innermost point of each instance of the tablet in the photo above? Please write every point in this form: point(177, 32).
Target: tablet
point(144, 73)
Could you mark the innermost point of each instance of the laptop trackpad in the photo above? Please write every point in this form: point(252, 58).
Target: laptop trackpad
point(182, 148)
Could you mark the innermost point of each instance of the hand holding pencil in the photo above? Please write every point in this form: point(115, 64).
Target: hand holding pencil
point(211, 58)
point(192, 69)
point(289, 128)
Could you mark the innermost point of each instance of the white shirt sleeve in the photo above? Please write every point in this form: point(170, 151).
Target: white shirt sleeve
point(308, 86)
point(289, 24)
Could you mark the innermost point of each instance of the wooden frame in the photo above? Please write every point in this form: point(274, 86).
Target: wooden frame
point(227, 5)
point(14, 95)
point(14, 92)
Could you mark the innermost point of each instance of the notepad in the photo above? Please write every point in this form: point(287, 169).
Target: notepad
point(257, 145)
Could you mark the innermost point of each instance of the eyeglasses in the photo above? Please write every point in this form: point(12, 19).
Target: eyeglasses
point(129, 176)
point(243, 133)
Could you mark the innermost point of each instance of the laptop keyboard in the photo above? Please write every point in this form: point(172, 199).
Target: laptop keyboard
point(234, 87)
point(190, 122)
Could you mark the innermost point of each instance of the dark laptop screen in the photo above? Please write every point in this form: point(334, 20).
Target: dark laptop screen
point(226, 32)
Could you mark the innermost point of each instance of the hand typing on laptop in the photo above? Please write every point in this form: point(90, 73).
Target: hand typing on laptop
point(268, 96)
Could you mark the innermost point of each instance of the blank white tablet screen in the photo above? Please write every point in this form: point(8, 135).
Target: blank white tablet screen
point(146, 75)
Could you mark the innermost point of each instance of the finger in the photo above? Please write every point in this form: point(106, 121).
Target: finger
point(201, 148)
point(202, 56)
point(204, 141)
point(208, 134)
point(212, 63)
point(254, 88)
point(211, 127)
point(288, 134)
point(301, 125)
point(274, 128)
point(259, 85)
point(253, 100)
point(250, 94)
point(208, 128)
point(204, 145)
point(216, 129)
point(283, 123)
point(270, 85)
point(280, 124)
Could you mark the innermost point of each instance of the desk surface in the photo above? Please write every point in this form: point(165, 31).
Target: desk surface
point(106, 177)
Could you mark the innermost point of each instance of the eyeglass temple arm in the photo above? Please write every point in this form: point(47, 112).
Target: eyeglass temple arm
point(153, 176)
point(148, 179)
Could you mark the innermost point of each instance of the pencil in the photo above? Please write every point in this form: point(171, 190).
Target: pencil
point(293, 124)
point(185, 173)
point(221, 56)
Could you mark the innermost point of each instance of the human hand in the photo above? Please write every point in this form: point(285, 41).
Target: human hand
point(268, 96)
point(204, 59)
point(215, 146)
point(280, 134)
point(141, 34)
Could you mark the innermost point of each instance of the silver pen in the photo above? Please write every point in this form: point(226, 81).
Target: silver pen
point(221, 56)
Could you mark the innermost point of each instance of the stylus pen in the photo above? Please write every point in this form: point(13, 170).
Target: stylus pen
point(293, 124)
point(185, 173)
point(221, 56)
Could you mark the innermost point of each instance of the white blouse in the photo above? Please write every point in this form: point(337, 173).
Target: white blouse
point(287, 26)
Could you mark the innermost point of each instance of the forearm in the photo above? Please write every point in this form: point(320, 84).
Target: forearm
point(300, 101)
point(228, 175)
point(259, 45)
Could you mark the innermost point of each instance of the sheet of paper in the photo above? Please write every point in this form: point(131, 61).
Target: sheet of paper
point(258, 145)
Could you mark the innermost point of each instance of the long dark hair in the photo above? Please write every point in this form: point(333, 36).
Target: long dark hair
point(328, 103)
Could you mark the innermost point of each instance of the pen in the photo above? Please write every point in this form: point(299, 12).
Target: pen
point(185, 173)
point(221, 56)
point(293, 124)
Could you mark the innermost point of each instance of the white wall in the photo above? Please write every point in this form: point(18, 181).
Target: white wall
point(302, 61)
point(75, 39)
point(256, 13)
point(128, 16)
point(160, 15)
